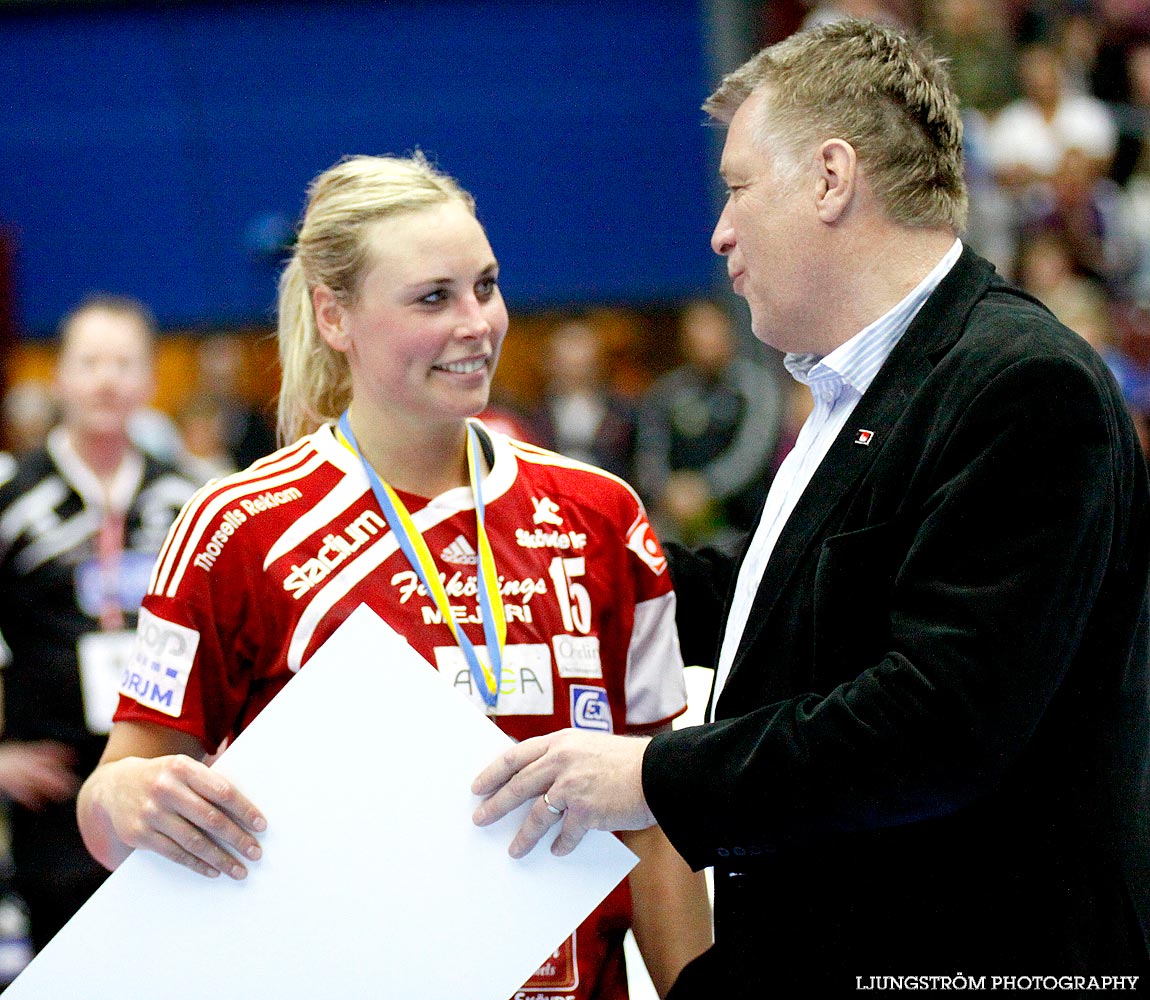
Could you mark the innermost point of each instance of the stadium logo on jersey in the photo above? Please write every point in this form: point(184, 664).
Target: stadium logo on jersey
point(157, 672)
point(590, 708)
point(526, 686)
point(335, 550)
point(459, 553)
point(641, 541)
point(546, 511)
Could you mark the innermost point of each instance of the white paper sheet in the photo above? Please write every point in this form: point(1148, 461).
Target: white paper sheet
point(374, 881)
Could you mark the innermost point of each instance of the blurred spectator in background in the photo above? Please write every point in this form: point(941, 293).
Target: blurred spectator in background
point(1030, 137)
point(1082, 205)
point(248, 431)
point(81, 522)
point(1027, 142)
point(825, 11)
point(29, 412)
point(1077, 35)
point(1134, 211)
point(202, 421)
point(707, 434)
point(507, 419)
point(976, 37)
point(1047, 269)
point(1128, 85)
point(1059, 179)
point(157, 433)
point(581, 416)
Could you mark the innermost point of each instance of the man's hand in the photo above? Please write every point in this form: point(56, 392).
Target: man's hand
point(595, 781)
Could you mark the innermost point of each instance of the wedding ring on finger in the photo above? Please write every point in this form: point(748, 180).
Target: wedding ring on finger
point(551, 807)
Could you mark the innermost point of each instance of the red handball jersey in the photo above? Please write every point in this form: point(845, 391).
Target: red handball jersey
point(262, 566)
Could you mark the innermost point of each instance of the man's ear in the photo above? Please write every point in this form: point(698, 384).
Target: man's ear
point(837, 164)
point(330, 318)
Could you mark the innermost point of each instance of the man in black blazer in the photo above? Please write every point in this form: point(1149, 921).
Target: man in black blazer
point(929, 747)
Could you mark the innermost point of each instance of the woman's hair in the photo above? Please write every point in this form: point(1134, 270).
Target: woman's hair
point(886, 95)
point(333, 249)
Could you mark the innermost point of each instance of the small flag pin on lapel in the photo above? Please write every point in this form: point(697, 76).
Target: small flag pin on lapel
point(864, 436)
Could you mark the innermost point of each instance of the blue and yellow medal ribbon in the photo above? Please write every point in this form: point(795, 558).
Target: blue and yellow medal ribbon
point(411, 541)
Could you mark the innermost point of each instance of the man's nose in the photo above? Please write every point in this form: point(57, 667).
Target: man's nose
point(723, 238)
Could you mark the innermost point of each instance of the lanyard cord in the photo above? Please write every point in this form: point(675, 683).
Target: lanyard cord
point(110, 556)
point(419, 556)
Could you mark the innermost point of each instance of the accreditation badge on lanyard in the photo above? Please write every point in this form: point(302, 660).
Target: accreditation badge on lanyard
point(103, 655)
point(486, 675)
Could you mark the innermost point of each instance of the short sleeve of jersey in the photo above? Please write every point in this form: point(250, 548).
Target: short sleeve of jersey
point(183, 670)
point(201, 631)
point(656, 691)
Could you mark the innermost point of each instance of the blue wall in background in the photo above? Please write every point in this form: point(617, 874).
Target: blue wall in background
point(154, 149)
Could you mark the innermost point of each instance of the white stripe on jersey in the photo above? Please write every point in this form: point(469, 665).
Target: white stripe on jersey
point(191, 530)
point(187, 516)
point(222, 500)
point(176, 530)
point(541, 456)
point(336, 587)
point(654, 645)
point(346, 492)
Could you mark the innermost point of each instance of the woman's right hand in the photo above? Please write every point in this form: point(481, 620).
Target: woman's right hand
point(150, 791)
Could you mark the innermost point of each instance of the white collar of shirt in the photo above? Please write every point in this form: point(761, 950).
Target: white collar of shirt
point(837, 382)
point(116, 494)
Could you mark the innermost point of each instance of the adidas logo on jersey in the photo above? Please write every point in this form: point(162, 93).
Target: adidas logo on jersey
point(459, 553)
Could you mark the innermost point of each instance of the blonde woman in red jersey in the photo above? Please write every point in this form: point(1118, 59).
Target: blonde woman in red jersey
point(390, 325)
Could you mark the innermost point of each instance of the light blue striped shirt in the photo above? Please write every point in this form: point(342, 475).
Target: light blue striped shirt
point(837, 382)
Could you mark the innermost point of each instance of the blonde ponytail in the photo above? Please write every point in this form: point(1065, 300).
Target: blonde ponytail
point(316, 384)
